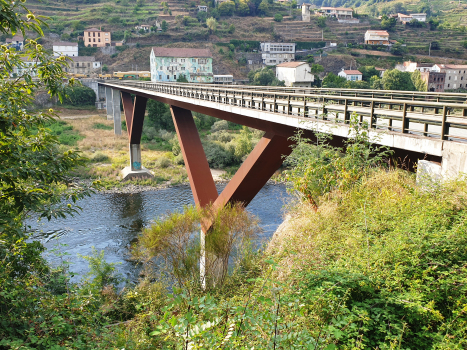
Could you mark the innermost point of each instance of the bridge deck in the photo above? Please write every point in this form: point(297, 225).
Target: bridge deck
point(426, 118)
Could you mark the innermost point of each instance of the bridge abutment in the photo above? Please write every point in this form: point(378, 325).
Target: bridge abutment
point(108, 103)
point(117, 116)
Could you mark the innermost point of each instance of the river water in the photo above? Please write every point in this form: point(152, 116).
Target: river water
point(111, 221)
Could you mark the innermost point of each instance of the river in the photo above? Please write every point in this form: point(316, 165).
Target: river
point(111, 221)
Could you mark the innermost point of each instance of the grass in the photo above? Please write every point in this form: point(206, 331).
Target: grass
point(101, 126)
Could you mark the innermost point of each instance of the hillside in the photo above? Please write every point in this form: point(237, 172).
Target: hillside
point(187, 28)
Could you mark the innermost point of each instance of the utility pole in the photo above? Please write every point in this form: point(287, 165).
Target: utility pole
point(429, 50)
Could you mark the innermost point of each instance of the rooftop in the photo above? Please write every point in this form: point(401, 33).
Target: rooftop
point(64, 43)
point(352, 72)
point(180, 52)
point(17, 37)
point(378, 32)
point(83, 58)
point(291, 64)
point(93, 30)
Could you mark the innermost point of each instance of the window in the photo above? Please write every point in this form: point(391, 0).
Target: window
point(89, 65)
point(94, 40)
point(168, 77)
point(99, 35)
point(160, 68)
point(182, 60)
point(449, 78)
point(449, 85)
point(193, 60)
point(200, 61)
point(183, 68)
point(160, 77)
point(89, 34)
point(175, 77)
point(99, 40)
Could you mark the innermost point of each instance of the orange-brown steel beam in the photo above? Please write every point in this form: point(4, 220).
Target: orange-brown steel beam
point(201, 181)
point(134, 116)
point(256, 170)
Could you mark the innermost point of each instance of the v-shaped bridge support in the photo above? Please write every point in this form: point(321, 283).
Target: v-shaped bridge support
point(253, 174)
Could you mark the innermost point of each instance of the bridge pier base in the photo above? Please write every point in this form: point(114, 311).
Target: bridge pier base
point(135, 170)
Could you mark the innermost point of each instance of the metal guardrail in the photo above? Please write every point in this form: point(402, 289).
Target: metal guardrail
point(427, 117)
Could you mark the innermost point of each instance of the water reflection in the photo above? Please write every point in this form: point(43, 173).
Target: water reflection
point(110, 222)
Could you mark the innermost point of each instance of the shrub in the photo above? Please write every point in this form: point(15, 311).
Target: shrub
point(218, 157)
point(278, 17)
point(99, 157)
point(220, 125)
point(79, 96)
point(163, 162)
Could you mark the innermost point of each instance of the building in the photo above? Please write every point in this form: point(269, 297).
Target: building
point(96, 38)
point(409, 66)
point(306, 12)
point(352, 75)
point(145, 27)
point(83, 65)
point(64, 48)
point(343, 14)
point(223, 79)
point(28, 67)
point(456, 75)
point(276, 53)
point(168, 64)
point(202, 8)
point(381, 71)
point(295, 74)
point(421, 17)
point(434, 80)
point(377, 37)
point(17, 42)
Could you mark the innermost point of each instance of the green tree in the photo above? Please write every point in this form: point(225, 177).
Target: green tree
point(368, 72)
point(264, 77)
point(316, 69)
point(159, 116)
point(399, 49)
point(164, 26)
point(394, 79)
point(278, 17)
point(263, 8)
point(333, 81)
point(321, 21)
point(226, 8)
point(79, 96)
point(242, 8)
point(310, 59)
point(212, 24)
point(418, 82)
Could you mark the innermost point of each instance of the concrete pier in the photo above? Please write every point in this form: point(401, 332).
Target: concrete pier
point(109, 103)
point(117, 115)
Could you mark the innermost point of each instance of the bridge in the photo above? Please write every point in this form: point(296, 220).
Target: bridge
point(425, 127)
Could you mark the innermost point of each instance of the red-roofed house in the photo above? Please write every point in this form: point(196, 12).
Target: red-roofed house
point(168, 64)
point(377, 37)
point(351, 74)
point(295, 74)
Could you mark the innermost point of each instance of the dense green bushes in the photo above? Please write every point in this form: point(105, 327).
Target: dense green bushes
point(79, 96)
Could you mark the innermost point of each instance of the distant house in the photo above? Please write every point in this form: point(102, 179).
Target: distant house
point(377, 37)
point(27, 67)
point(94, 37)
point(168, 64)
point(343, 14)
point(17, 42)
point(456, 75)
point(295, 74)
point(421, 17)
point(145, 27)
point(83, 65)
point(64, 48)
point(409, 66)
point(434, 80)
point(202, 8)
point(306, 12)
point(351, 75)
point(276, 53)
point(381, 71)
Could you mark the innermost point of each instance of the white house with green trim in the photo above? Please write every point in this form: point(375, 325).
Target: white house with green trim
point(168, 64)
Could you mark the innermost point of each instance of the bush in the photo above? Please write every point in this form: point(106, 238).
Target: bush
point(99, 157)
point(163, 162)
point(278, 17)
point(79, 96)
point(220, 125)
point(218, 157)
